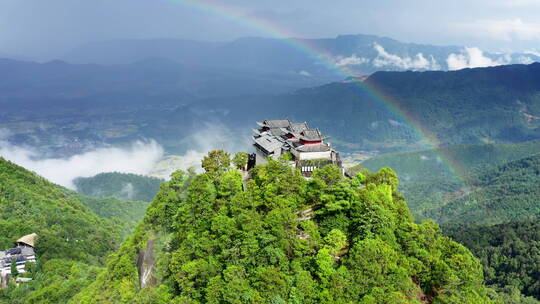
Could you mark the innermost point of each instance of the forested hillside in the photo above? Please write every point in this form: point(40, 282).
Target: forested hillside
point(124, 186)
point(430, 179)
point(505, 193)
point(509, 253)
point(76, 233)
point(280, 238)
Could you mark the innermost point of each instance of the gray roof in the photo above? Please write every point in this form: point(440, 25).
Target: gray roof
point(268, 143)
point(312, 134)
point(278, 131)
point(277, 123)
point(314, 148)
point(297, 127)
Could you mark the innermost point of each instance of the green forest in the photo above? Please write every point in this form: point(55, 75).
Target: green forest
point(274, 237)
point(279, 238)
point(76, 233)
point(509, 253)
point(492, 183)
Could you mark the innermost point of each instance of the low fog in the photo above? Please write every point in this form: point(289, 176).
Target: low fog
point(140, 157)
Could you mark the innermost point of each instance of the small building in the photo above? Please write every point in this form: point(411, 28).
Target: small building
point(22, 253)
point(307, 146)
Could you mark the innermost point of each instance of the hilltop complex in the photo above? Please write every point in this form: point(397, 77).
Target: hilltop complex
point(303, 146)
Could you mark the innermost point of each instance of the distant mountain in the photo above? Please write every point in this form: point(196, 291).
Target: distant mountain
point(120, 185)
point(358, 54)
point(153, 99)
point(128, 51)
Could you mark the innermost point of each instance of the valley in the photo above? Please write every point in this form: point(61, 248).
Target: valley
point(131, 162)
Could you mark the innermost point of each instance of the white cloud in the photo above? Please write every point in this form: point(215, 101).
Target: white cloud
point(351, 60)
point(532, 52)
point(305, 73)
point(394, 123)
point(128, 191)
point(525, 60)
point(211, 136)
point(504, 29)
point(418, 62)
point(140, 157)
point(473, 57)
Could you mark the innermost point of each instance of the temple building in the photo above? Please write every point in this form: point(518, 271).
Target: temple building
point(22, 253)
point(306, 147)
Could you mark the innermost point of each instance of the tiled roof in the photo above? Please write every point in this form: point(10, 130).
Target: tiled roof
point(277, 123)
point(312, 134)
point(268, 143)
point(297, 127)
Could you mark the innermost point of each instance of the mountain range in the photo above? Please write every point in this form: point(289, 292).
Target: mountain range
point(357, 54)
point(85, 105)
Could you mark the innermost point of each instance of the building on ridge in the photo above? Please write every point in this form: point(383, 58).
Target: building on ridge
point(22, 253)
point(306, 146)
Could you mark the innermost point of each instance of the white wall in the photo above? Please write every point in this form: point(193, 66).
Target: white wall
point(315, 155)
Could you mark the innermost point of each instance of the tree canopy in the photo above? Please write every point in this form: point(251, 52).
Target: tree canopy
point(284, 239)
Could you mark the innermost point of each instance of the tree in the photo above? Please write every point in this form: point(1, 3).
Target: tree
point(240, 160)
point(14, 271)
point(216, 161)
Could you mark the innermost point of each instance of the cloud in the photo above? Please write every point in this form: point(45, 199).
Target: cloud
point(211, 136)
point(128, 191)
point(305, 73)
point(139, 158)
point(525, 60)
point(418, 62)
point(351, 60)
point(532, 52)
point(504, 29)
point(394, 123)
point(516, 3)
point(473, 57)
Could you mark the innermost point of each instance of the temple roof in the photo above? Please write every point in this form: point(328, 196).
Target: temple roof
point(277, 123)
point(297, 127)
point(312, 135)
point(268, 143)
point(279, 131)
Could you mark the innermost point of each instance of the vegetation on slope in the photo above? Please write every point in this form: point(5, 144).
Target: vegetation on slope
point(280, 238)
point(509, 253)
point(125, 186)
point(66, 227)
point(429, 183)
point(76, 233)
point(505, 193)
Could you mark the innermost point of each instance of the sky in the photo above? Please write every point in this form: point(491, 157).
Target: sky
point(52, 27)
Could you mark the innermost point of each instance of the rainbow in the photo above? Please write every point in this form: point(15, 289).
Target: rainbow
point(273, 30)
